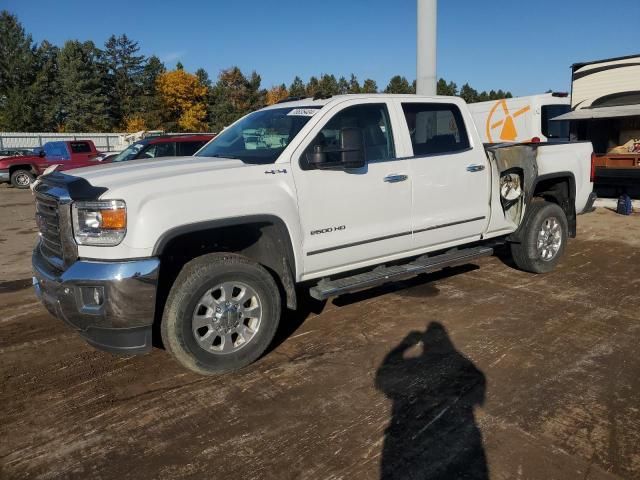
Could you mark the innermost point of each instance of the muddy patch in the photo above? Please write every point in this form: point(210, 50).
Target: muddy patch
point(9, 205)
point(15, 285)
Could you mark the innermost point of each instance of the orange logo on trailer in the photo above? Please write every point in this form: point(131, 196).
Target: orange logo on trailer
point(502, 120)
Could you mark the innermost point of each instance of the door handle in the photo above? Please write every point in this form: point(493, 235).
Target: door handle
point(395, 178)
point(475, 168)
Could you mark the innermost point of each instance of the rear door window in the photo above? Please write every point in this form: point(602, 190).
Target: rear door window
point(435, 128)
point(187, 149)
point(80, 147)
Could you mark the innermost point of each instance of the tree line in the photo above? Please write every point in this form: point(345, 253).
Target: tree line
point(81, 87)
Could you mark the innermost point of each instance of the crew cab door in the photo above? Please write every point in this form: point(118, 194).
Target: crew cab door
point(353, 217)
point(82, 154)
point(450, 175)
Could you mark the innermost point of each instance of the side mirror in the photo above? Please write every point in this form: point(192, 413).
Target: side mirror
point(348, 155)
point(351, 148)
point(317, 158)
point(41, 154)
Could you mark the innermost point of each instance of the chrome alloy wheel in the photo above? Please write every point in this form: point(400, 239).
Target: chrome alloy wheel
point(549, 239)
point(23, 179)
point(226, 318)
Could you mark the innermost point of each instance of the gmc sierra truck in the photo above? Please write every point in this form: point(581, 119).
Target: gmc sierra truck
point(330, 195)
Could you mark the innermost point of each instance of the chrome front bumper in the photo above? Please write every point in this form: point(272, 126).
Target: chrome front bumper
point(5, 176)
point(111, 304)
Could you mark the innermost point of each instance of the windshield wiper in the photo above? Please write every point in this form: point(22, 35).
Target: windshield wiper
point(219, 155)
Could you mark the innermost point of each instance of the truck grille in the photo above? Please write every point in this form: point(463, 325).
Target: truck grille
point(53, 217)
point(48, 221)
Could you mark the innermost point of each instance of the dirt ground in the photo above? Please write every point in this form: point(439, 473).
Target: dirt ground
point(478, 372)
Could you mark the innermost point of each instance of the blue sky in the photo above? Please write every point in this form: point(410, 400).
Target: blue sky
point(524, 47)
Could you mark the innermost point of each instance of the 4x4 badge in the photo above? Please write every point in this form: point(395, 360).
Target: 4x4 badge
point(275, 172)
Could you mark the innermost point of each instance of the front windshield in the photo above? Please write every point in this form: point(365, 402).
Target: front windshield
point(259, 137)
point(130, 152)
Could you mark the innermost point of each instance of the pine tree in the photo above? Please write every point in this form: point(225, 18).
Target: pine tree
point(16, 73)
point(124, 75)
point(151, 110)
point(468, 94)
point(297, 88)
point(328, 86)
point(203, 77)
point(444, 88)
point(82, 99)
point(354, 84)
point(398, 84)
point(42, 95)
point(343, 86)
point(233, 96)
point(313, 87)
point(369, 86)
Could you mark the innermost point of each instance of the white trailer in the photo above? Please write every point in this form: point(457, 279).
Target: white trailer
point(522, 119)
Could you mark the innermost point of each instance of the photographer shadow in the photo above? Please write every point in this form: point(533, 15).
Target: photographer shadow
point(432, 433)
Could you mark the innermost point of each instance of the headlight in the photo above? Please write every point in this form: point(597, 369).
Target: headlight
point(101, 222)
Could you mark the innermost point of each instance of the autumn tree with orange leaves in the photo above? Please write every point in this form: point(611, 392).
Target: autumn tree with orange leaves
point(184, 100)
point(276, 94)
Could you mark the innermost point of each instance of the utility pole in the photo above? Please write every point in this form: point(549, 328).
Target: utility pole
point(427, 51)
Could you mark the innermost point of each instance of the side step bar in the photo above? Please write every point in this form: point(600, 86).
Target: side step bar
point(332, 288)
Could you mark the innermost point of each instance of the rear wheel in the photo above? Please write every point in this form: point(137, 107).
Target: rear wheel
point(544, 238)
point(221, 314)
point(22, 178)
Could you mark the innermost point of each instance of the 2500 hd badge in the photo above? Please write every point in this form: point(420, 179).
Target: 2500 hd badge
point(329, 230)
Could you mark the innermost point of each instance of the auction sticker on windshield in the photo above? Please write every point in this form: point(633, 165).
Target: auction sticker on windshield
point(302, 112)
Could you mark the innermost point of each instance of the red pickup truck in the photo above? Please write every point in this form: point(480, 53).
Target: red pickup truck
point(22, 171)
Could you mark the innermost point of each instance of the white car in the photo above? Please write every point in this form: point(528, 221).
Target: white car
point(359, 190)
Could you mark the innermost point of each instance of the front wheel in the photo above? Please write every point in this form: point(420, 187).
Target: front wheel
point(544, 238)
point(22, 178)
point(221, 314)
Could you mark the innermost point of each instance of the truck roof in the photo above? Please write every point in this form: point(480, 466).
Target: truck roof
point(321, 102)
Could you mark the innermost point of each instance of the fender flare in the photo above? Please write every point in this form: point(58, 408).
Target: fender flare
point(570, 208)
point(285, 270)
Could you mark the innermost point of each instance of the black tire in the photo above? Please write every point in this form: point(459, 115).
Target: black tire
point(526, 254)
point(194, 281)
point(19, 178)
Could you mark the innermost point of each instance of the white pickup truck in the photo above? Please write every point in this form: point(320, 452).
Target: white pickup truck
point(333, 195)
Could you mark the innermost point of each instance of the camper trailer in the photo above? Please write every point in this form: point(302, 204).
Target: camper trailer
point(605, 103)
point(522, 119)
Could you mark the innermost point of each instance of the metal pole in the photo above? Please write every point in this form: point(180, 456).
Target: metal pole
point(427, 47)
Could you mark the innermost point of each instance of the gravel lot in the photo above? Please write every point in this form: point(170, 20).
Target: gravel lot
point(479, 372)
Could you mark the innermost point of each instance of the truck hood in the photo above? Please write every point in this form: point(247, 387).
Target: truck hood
point(179, 169)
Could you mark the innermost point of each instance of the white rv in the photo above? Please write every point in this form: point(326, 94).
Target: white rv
point(605, 100)
point(522, 119)
point(606, 83)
